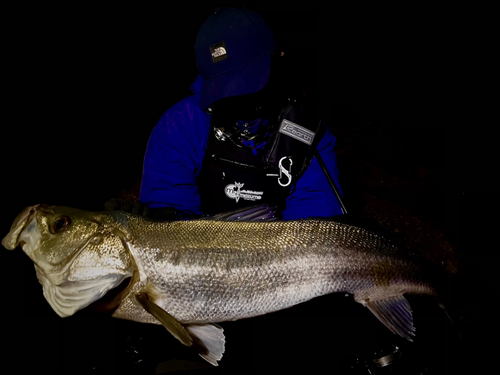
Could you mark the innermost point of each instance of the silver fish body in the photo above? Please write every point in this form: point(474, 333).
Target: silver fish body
point(214, 271)
point(187, 275)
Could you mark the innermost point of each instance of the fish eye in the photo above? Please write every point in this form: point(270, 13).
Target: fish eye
point(60, 224)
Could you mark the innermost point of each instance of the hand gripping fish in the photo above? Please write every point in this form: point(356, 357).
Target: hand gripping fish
point(189, 275)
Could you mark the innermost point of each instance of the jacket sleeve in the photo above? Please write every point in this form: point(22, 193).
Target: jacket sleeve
point(313, 195)
point(172, 162)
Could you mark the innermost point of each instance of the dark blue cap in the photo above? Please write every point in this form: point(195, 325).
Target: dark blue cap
point(233, 53)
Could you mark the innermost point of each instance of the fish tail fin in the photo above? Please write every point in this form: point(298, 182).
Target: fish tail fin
point(395, 313)
point(208, 340)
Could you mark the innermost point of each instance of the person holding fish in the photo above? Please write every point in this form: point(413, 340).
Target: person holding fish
point(232, 144)
point(239, 140)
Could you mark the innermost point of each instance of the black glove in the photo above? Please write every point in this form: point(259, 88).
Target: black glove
point(139, 208)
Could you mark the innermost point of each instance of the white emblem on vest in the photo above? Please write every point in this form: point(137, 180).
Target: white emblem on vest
point(234, 191)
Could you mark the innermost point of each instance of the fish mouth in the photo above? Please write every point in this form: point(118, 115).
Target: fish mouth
point(22, 221)
point(29, 238)
point(71, 296)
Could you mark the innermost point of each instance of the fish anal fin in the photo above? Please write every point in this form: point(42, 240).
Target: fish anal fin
point(208, 340)
point(168, 321)
point(395, 313)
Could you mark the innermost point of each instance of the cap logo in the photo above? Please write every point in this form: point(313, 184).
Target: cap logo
point(218, 52)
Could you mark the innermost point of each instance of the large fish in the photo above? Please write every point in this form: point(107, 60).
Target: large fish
point(188, 275)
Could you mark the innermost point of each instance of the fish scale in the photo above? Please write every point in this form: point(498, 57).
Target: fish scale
point(189, 275)
point(213, 271)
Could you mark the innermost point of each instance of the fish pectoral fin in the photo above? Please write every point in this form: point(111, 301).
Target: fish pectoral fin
point(395, 313)
point(168, 321)
point(207, 339)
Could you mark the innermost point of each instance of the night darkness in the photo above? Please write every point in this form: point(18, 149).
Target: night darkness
point(86, 87)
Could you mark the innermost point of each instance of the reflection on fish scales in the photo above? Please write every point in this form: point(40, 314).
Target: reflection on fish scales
point(189, 275)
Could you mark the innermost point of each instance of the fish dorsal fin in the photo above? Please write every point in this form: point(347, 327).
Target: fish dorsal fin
point(207, 339)
point(395, 313)
point(259, 212)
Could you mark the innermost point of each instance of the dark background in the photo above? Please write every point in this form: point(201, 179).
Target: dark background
point(403, 91)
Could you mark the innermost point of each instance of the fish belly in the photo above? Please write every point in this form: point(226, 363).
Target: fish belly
point(216, 293)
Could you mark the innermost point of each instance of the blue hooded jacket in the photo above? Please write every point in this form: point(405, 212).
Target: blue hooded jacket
point(174, 158)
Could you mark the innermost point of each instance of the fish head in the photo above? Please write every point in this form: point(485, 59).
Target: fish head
point(78, 255)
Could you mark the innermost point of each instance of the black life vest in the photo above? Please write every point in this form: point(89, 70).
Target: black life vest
point(234, 176)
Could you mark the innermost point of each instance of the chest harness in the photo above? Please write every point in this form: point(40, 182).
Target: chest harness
point(243, 167)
